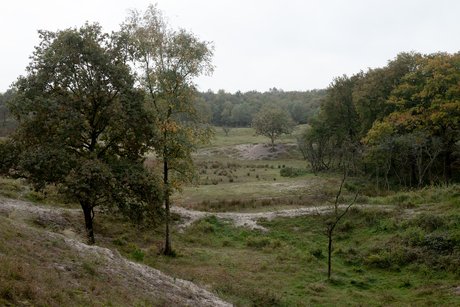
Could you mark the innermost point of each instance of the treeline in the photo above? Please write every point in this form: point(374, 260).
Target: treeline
point(6, 122)
point(398, 124)
point(239, 109)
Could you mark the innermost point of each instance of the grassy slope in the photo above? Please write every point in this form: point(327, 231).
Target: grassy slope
point(39, 269)
point(406, 254)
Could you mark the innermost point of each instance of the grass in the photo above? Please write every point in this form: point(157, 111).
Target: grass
point(403, 249)
point(382, 256)
point(39, 269)
point(226, 178)
point(238, 136)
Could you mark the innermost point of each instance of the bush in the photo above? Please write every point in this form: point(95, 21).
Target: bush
point(215, 165)
point(291, 172)
point(317, 252)
point(138, 255)
point(394, 255)
point(257, 242)
point(428, 222)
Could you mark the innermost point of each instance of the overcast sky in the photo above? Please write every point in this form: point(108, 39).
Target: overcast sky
point(259, 44)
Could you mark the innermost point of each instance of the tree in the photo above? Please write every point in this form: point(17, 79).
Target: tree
point(4, 98)
point(428, 100)
point(319, 145)
point(169, 60)
point(3, 108)
point(83, 125)
point(271, 123)
point(338, 109)
point(330, 217)
point(242, 114)
point(372, 91)
point(226, 129)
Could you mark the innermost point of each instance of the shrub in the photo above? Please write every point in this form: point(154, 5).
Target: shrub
point(138, 254)
point(394, 255)
point(317, 252)
point(428, 222)
point(257, 242)
point(291, 172)
point(215, 165)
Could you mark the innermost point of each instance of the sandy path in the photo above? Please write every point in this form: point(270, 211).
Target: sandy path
point(248, 220)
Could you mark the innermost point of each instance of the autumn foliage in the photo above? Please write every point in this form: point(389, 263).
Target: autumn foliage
point(403, 119)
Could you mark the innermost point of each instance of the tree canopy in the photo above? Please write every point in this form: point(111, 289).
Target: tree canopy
point(169, 60)
point(83, 124)
point(402, 118)
point(272, 123)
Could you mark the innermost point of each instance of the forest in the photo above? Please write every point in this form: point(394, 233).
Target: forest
point(238, 109)
point(398, 124)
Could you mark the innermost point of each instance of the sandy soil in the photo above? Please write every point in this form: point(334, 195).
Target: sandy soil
point(248, 220)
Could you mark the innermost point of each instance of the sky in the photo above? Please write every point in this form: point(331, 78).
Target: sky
point(292, 45)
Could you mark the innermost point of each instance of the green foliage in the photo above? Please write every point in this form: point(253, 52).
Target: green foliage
point(170, 60)
point(83, 124)
point(394, 256)
point(272, 123)
point(405, 113)
point(258, 241)
point(291, 172)
point(239, 108)
point(138, 254)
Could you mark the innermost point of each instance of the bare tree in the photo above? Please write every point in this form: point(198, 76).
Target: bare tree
point(330, 218)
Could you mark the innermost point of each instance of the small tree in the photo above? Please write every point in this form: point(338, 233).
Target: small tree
point(330, 217)
point(169, 60)
point(226, 128)
point(271, 123)
point(83, 125)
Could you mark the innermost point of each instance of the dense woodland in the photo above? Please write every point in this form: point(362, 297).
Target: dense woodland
point(235, 110)
point(239, 109)
point(399, 123)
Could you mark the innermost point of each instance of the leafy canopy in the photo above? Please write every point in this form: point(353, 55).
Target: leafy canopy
point(168, 61)
point(83, 124)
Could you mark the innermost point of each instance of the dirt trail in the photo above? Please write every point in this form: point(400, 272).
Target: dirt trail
point(248, 220)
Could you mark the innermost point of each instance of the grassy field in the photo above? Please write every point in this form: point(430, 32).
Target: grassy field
point(402, 249)
point(246, 135)
point(224, 176)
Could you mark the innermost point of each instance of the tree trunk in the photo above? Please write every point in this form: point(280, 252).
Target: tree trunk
point(447, 167)
point(329, 254)
point(411, 173)
point(168, 249)
point(377, 173)
point(88, 222)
